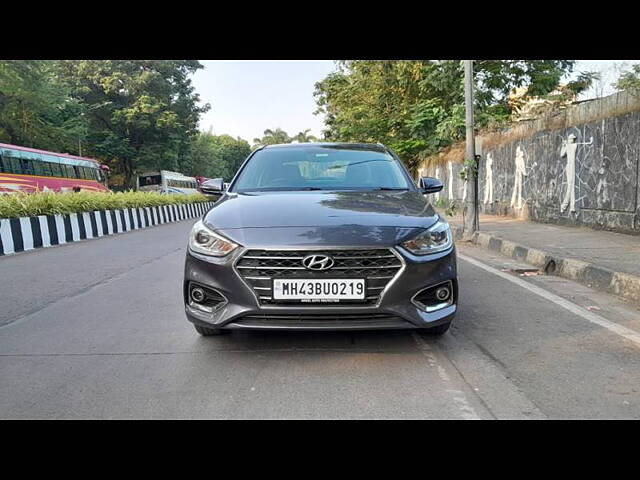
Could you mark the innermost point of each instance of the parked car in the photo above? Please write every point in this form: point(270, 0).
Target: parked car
point(321, 236)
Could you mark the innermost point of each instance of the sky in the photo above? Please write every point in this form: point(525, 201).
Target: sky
point(248, 97)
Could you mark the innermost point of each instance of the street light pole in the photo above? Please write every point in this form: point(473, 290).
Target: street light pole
point(471, 220)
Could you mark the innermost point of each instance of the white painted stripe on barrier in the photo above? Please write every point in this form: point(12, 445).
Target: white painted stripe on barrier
point(107, 213)
point(7, 239)
point(149, 216)
point(119, 221)
point(75, 228)
point(167, 217)
point(44, 231)
point(62, 235)
point(98, 218)
point(86, 217)
point(127, 220)
point(142, 222)
point(27, 233)
point(135, 218)
point(156, 221)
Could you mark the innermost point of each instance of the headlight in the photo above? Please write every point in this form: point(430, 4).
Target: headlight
point(437, 239)
point(203, 240)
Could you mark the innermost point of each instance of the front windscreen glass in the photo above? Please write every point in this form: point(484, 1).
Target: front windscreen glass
point(321, 168)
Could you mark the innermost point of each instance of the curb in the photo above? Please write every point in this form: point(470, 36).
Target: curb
point(589, 274)
point(30, 233)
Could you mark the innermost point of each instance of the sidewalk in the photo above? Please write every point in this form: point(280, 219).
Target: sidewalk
point(604, 260)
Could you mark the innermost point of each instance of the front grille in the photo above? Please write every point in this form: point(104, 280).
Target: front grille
point(259, 267)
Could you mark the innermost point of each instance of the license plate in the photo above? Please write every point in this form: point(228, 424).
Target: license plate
point(319, 290)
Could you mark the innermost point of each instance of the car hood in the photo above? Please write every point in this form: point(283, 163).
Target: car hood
point(321, 218)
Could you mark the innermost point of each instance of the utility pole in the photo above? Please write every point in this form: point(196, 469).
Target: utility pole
point(471, 220)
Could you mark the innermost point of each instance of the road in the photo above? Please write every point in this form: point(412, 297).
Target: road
point(97, 330)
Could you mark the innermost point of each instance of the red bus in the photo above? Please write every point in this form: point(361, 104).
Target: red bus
point(29, 170)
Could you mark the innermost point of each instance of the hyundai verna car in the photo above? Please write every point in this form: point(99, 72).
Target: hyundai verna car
point(321, 236)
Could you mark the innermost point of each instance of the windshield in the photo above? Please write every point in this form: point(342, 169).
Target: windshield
point(321, 168)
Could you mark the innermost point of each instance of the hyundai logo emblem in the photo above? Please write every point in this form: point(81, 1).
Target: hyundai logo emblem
point(318, 262)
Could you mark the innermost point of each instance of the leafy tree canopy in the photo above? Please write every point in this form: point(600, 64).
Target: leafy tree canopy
point(273, 137)
point(630, 79)
point(140, 114)
point(216, 156)
point(37, 110)
point(417, 107)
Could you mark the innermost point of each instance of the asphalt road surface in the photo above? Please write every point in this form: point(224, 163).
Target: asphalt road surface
point(97, 330)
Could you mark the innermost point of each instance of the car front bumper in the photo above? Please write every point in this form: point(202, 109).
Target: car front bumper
point(395, 309)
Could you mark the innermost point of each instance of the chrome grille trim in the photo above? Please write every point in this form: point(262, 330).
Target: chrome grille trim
point(254, 266)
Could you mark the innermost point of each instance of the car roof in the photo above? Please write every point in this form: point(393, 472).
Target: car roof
point(356, 146)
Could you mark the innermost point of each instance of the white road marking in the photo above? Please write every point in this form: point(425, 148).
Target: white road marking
point(572, 307)
point(466, 410)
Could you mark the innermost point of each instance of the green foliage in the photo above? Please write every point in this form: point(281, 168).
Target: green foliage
point(305, 137)
point(469, 169)
point(417, 107)
point(630, 79)
point(48, 203)
point(36, 110)
point(141, 114)
point(450, 206)
point(273, 137)
point(216, 156)
point(132, 114)
point(451, 209)
point(441, 202)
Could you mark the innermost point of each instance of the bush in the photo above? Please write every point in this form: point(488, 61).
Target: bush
point(48, 203)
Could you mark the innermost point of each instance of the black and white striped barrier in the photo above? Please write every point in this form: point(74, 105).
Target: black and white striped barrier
point(27, 233)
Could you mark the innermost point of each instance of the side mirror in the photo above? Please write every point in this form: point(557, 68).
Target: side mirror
point(215, 186)
point(430, 185)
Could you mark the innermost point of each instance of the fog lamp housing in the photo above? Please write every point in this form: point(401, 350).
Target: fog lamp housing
point(434, 298)
point(204, 298)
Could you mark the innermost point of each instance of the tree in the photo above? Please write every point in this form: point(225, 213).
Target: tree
point(36, 110)
point(272, 137)
point(215, 156)
point(140, 114)
point(417, 107)
point(630, 79)
point(305, 137)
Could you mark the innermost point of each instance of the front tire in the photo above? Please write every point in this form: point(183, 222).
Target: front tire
point(438, 330)
point(207, 332)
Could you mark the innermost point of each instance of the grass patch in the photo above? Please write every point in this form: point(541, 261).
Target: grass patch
point(49, 203)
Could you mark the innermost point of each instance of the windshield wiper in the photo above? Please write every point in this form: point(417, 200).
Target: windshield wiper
point(389, 188)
